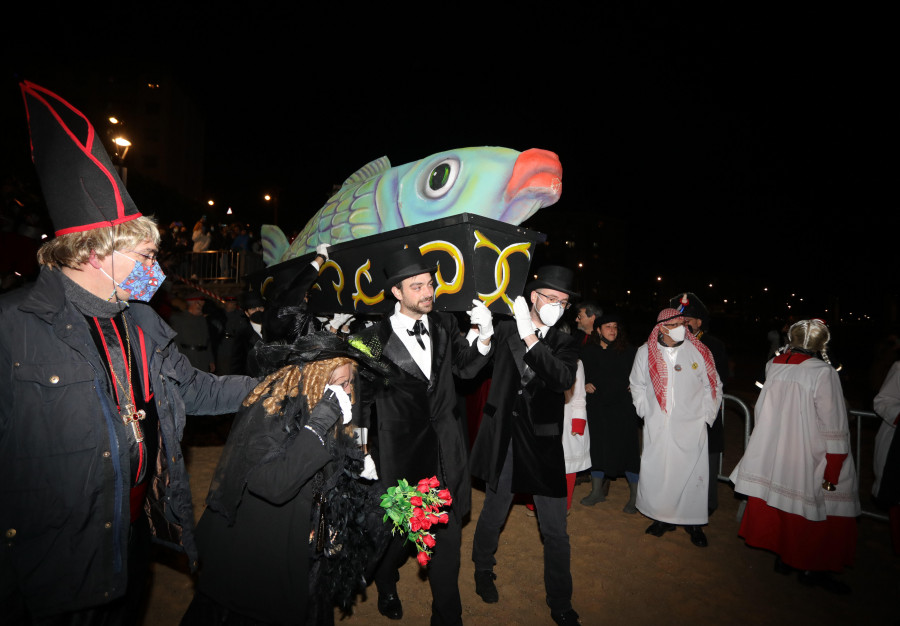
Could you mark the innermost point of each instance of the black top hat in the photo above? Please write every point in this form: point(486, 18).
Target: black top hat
point(80, 185)
point(553, 277)
point(251, 300)
point(403, 264)
point(690, 305)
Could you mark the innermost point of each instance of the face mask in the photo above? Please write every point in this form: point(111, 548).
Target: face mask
point(550, 313)
point(142, 282)
point(676, 334)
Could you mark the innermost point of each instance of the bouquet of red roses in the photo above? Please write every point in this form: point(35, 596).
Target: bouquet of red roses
point(413, 510)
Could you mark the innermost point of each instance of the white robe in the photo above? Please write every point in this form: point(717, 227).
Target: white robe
point(800, 416)
point(577, 448)
point(887, 406)
point(674, 479)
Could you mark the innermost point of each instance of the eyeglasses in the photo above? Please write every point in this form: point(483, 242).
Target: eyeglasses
point(347, 384)
point(565, 304)
point(150, 257)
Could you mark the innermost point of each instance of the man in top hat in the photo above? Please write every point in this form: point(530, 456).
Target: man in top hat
point(676, 390)
point(94, 396)
point(415, 432)
point(519, 447)
point(696, 318)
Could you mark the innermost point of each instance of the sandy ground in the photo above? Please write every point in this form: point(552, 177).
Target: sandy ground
point(621, 575)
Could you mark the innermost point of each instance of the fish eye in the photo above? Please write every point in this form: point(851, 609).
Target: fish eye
point(441, 178)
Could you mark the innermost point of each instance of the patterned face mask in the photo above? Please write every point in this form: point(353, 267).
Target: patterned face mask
point(142, 282)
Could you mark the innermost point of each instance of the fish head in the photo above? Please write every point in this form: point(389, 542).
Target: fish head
point(498, 183)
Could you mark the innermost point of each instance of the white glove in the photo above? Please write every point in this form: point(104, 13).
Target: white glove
point(322, 250)
point(480, 315)
point(523, 317)
point(337, 322)
point(344, 400)
point(369, 468)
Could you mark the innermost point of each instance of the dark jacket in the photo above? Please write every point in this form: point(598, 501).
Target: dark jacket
point(525, 405)
point(417, 433)
point(64, 464)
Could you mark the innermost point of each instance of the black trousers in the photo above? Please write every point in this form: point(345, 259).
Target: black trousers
point(443, 570)
point(551, 514)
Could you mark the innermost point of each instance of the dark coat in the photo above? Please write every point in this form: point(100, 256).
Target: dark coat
point(257, 562)
point(63, 458)
point(525, 406)
point(417, 433)
point(612, 420)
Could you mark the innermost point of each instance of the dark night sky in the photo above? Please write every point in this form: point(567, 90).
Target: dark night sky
point(743, 141)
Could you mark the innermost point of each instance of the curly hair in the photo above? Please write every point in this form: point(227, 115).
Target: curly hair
point(286, 383)
point(74, 249)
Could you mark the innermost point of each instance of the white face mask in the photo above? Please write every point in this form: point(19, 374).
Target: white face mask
point(550, 313)
point(676, 334)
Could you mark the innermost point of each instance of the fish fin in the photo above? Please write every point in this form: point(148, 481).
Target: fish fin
point(369, 170)
point(274, 244)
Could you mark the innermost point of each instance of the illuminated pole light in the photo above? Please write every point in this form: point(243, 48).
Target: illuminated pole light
point(229, 211)
point(113, 120)
point(210, 202)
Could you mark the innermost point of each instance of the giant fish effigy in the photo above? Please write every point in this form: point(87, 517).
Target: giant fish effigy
point(498, 183)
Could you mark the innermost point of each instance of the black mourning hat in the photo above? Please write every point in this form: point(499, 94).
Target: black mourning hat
point(251, 300)
point(80, 185)
point(405, 263)
point(553, 277)
point(689, 304)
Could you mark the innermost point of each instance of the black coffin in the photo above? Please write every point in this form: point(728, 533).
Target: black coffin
point(476, 257)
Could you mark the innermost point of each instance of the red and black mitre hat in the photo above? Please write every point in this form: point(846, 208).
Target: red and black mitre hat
point(80, 185)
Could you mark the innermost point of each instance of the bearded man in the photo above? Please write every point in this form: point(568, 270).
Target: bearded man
point(414, 432)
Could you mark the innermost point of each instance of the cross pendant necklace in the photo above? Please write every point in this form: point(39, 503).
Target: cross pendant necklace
point(132, 415)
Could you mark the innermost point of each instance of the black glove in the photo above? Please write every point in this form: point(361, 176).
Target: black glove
point(325, 414)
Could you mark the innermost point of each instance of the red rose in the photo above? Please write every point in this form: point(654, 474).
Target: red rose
point(433, 482)
point(426, 523)
point(416, 501)
point(428, 540)
point(419, 514)
point(444, 494)
point(423, 558)
point(443, 518)
point(423, 487)
point(434, 519)
point(415, 524)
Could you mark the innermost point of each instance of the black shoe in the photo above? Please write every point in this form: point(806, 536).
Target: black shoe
point(564, 618)
point(390, 606)
point(825, 581)
point(658, 529)
point(698, 538)
point(485, 587)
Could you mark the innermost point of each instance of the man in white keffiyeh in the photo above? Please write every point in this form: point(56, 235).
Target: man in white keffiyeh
point(676, 390)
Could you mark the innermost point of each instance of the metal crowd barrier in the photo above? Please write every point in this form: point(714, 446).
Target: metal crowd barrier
point(857, 453)
point(212, 265)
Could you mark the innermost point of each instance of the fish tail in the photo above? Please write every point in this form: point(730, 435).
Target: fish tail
point(274, 244)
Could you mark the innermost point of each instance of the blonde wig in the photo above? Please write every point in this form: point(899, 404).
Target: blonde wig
point(292, 380)
point(812, 335)
point(74, 249)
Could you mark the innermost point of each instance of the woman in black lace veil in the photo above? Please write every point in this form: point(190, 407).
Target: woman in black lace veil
point(291, 522)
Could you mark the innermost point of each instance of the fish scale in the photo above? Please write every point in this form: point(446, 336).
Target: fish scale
point(493, 182)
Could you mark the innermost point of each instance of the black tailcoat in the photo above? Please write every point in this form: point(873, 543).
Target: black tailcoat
point(525, 405)
point(416, 433)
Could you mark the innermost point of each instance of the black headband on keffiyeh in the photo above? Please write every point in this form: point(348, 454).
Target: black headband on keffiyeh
point(659, 374)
